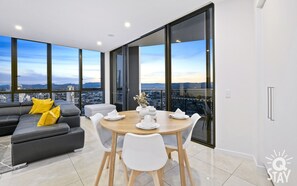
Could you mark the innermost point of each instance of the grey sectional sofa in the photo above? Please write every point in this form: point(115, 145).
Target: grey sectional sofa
point(31, 143)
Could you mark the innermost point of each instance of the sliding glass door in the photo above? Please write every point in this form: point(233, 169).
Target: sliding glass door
point(191, 74)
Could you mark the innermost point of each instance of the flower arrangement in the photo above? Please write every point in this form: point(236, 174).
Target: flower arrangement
point(141, 99)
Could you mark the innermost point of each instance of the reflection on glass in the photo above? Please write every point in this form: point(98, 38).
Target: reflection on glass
point(72, 97)
point(23, 97)
point(5, 64)
point(65, 68)
point(91, 69)
point(32, 65)
point(5, 98)
point(117, 84)
point(91, 97)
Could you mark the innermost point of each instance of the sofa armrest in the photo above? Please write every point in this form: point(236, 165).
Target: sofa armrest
point(69, 110)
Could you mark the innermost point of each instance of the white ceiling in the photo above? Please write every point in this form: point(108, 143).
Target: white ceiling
point(81, 23)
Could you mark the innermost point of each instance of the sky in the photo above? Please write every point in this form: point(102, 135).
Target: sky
point(33, 70)
point(188, 62)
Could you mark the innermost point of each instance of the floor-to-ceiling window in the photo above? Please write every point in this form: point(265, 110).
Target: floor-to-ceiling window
point(65, 74)
point(31, 70)
point(35, 69)
point(148, 54)
point(174, 65)
point(5, 70)
point(191, 71)
point(91, 78)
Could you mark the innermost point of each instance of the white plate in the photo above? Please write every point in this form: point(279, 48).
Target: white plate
point(154, 126)
point(178, 117)
point(118, 117)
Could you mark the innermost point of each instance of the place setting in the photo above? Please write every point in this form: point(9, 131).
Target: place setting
point(114, 116)
point(148, 123)
point(178, 114)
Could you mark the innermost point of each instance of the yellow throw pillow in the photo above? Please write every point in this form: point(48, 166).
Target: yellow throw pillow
point(49, 117)
point(35, 104)
point(40, 106)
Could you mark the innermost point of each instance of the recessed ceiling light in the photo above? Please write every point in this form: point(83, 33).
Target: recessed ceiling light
point(110, 35)
point(178, 41)
point(127, 24)
point(18, 27)
point(99, 43)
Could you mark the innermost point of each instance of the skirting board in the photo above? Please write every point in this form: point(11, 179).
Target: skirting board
point(243, 155)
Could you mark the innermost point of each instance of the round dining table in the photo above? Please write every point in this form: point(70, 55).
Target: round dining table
point(168, 126)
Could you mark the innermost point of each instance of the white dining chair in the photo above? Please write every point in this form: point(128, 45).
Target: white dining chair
point(171, 143)
point(104, 138)
point(144, 153)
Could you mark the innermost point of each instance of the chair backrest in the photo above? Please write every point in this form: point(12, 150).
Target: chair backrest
point(104, 135)
point(187, 134)
point(144, 152)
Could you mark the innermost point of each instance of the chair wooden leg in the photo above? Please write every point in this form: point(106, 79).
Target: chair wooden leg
point(160, 176)
point(188, 168)
point(155, 178)
point(134, 174)
point(108, 162)
point(125, 172)
point(169, 153)
point(106, 154)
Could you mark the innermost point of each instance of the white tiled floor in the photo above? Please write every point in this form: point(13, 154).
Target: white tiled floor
point(209, 167)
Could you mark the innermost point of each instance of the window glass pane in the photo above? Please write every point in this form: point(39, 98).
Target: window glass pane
point(152, 68)
point(65, 68)
point(23, 97)
point(91, 61)
point(5, 63)
point(4, 98)
point(72, 97)
point(32, 65)
point(188, 56)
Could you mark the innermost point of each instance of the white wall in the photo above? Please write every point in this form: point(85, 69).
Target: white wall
point(107, 76)
point(236, 69)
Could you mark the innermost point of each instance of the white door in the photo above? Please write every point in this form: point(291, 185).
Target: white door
point(278, 104)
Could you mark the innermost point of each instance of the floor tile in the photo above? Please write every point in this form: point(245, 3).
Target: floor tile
point(219, 159)
point(203, 174)
point(37, 165)
point(235, 181)
point(60, 173)
point(249, 172)
point(195, 148)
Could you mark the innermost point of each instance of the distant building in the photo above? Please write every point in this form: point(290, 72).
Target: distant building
point(70, 95)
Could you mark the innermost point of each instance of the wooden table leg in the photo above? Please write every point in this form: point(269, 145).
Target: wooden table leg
point(181, 158)
point(112, 158)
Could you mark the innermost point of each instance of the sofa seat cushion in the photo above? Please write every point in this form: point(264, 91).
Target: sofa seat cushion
point(27, 129)
point(9, 120)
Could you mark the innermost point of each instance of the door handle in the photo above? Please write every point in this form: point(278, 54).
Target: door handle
point(270, 103)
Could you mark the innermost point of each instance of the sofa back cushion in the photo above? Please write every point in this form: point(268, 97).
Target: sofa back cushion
point(25, 107)
point(7, 109)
